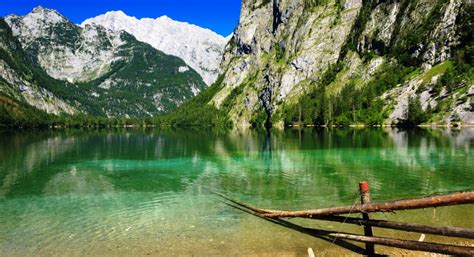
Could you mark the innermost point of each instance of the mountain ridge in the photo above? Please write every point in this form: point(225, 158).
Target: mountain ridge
point(200, 48)
point(116, 74)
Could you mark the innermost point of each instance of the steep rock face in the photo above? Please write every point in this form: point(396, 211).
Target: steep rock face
point(392, 24)
point(430, 30)
point(17, 79)
point(284, 50)
point(200, 48)
point(113, 73)
point(277, 47)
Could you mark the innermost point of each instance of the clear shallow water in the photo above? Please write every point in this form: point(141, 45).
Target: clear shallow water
point(146, 192)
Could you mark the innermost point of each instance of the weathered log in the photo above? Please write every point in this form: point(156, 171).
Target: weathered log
point(420, 203)
point(442, 231)
point(433, 230)
point(408, 244)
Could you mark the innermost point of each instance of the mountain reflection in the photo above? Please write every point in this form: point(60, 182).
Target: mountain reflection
point(291, 168)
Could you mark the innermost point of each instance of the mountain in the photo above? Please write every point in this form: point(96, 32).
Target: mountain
point(102, 72)
point(200, 48)
point(299, 62)
point(25, 97)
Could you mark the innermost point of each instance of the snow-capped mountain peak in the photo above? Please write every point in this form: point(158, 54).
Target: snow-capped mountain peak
point(40, 13)
point(35, 22)
point(200, 48)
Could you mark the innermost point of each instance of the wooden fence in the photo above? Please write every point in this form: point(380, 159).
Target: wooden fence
point(366, 207)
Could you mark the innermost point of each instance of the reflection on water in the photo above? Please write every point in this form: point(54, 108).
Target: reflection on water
point(147, 192)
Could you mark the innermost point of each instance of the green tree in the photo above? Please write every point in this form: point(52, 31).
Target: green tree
point(415, 114)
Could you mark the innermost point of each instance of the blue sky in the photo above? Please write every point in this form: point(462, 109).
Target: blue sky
point(219, 15)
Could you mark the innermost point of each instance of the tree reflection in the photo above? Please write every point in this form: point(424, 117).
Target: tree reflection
point(279, 166)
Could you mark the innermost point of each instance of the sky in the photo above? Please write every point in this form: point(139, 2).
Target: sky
point(220, 16)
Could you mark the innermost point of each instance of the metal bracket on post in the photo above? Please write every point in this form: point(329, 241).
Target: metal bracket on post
point(365, 199)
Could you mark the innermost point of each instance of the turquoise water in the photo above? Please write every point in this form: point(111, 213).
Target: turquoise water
point(147, 192)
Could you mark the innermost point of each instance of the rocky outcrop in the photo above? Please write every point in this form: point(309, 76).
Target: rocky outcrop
point(393, 24)
point(16, 79)
point(23, 90)
point(277, 46)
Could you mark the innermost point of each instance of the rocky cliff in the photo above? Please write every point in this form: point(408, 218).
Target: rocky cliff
point(21, 84)
point(348, 62)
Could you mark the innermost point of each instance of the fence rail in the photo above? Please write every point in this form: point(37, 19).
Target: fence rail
point(366, 207)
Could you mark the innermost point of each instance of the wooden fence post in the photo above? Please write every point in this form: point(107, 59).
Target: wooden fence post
point(365, 199)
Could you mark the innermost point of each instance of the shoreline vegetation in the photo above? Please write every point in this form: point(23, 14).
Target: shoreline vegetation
point(192, 114)
point(183, 117)
point(104, 123)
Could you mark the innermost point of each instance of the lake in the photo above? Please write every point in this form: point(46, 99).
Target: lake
point(149, 192)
